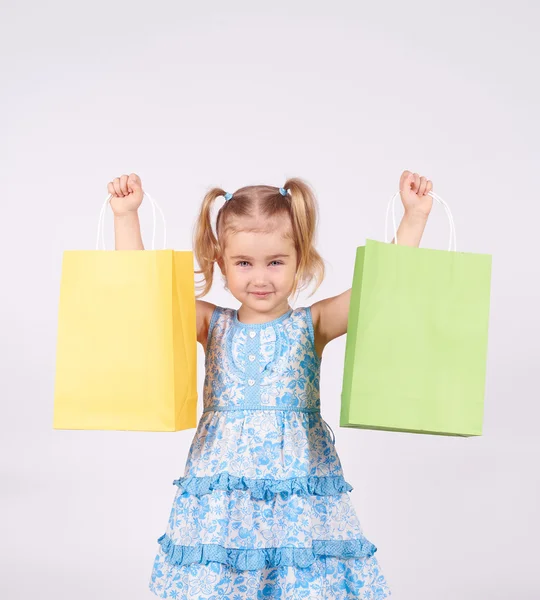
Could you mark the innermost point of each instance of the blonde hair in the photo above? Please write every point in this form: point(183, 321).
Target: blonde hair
point(264, 201)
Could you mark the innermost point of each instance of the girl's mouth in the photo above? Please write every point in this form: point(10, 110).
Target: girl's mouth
point(260, 294)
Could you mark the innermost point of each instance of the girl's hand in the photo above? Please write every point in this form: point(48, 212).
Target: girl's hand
point(127, 194)
point(414, 194)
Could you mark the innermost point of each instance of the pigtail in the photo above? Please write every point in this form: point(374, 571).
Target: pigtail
point(205, 244)
point(304, 217)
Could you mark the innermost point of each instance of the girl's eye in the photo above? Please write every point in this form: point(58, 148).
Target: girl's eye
point(241, 263)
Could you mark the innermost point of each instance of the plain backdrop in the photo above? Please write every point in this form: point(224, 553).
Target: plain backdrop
point(345, 95)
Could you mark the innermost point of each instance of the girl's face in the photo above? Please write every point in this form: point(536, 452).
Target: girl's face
point(260, 268)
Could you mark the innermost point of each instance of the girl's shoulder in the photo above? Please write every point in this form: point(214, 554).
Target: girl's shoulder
point(220, 312)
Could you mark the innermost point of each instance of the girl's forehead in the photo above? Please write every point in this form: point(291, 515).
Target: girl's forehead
point(259, 244)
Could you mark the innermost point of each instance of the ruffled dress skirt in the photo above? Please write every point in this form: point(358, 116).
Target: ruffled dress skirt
point(263, 512)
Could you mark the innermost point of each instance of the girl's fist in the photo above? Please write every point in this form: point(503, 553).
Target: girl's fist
point(127, 194)
point(414, 192)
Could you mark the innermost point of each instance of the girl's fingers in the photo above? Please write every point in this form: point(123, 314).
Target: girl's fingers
point(133, 182)
point(116, 184)
point(405, 177)
point(123, 184)
point(409, 182)
point(420, 185)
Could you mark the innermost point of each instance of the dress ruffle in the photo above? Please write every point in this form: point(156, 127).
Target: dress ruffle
point(265, 489)
point(260, 558)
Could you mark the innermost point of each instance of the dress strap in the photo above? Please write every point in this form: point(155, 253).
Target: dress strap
point(215, 316)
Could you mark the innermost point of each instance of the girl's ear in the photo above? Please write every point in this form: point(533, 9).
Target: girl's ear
point(221, 266)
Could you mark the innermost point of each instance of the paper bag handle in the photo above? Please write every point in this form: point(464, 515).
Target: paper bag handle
point(153, 203)
point(391, 205)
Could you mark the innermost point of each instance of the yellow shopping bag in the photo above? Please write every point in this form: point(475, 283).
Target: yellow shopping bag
point(126, 349)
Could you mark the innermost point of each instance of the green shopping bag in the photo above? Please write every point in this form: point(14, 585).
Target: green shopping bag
point(415, 357)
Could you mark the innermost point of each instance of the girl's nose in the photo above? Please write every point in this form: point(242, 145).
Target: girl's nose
point(260, 279)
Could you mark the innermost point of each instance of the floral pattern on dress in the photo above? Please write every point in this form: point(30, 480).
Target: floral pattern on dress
point(262, 444)
point(263, 510)
point(236, 520)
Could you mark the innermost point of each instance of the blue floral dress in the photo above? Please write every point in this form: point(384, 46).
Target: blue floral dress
point(263, 510)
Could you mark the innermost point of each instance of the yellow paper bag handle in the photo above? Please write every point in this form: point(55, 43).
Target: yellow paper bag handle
point(101, 223)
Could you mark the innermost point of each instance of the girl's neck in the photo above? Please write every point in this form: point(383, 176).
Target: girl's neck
point(249, 316)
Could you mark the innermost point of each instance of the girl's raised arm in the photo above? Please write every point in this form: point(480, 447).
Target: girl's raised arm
point(330, 316)
point(127, 195)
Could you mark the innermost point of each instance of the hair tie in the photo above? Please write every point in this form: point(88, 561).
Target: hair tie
point(228, 196)
point(283, 191)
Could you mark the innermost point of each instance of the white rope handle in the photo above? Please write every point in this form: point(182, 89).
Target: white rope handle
point(391, 205)
point(153, 203)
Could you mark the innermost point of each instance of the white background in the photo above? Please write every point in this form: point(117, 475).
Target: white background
point(346, 95)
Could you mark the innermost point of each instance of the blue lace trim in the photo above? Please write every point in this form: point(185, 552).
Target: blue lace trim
point(265, 489)
point(260, 558)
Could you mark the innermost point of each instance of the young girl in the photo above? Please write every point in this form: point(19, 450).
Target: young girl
point(263, 509)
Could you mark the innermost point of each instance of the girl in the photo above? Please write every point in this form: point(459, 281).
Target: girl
point(263, 509)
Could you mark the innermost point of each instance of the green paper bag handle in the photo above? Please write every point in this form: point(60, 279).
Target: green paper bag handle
point(391, 205)
point(153, 203)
